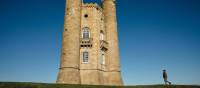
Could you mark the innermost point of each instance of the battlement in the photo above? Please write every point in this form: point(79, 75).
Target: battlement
point(92, 5)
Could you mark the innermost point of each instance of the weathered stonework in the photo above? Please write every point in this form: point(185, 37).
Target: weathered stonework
point(92, 29)
point(114, 76)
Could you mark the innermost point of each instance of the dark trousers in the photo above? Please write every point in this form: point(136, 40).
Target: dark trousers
point(167, 82)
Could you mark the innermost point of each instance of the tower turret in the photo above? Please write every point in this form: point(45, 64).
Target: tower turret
point(113, 73)
point(69, 67)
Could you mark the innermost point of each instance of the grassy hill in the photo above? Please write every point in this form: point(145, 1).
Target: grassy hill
point(43, 85)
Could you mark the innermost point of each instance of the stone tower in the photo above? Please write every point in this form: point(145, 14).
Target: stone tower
point(69, 67)
point(90, 53)
point(110, 21)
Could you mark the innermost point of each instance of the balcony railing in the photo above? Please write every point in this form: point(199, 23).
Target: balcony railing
point(86, 42)
point(103, 45)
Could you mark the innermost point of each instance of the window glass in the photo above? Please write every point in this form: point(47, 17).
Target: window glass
point(85, 57)
point(86, 33)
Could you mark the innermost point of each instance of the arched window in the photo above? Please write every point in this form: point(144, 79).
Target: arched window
point(103, 61)
point(86, 33)
point(101, 35)
point(85, 57)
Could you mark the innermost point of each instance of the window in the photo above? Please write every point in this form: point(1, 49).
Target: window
point(97, 8)
point(85, 57)
point(86, 33)
point(102, 57)
point(101, 35)
point(86, 15)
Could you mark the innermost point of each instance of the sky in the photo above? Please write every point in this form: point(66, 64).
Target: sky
point(153, 35)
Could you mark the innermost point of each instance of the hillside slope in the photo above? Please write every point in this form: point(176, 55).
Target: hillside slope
point(43, 85)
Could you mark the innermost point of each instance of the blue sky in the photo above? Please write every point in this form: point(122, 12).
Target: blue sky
point(153, 35)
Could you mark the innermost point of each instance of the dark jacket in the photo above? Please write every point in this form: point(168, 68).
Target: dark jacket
point(164, 75)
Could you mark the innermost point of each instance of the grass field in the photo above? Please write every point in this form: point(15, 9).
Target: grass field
point(45, 85)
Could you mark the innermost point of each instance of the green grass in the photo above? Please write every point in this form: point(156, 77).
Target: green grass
point(45, 85)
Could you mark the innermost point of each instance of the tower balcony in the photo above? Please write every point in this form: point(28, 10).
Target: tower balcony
point(104, 45)
point(86, 42)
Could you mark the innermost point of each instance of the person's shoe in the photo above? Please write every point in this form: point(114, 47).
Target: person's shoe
point(170, 83)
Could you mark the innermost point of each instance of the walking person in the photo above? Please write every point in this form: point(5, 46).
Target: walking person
point(166, 78)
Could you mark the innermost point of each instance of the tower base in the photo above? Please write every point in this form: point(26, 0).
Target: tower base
point(68, 76)
point(90, 77)
point(113, 78)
